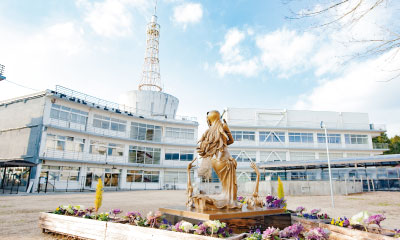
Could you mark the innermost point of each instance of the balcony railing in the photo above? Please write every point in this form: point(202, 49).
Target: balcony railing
point(108, 105)
point(273, 124)
point(381, 145)
point(106, 159)
point(111, 133)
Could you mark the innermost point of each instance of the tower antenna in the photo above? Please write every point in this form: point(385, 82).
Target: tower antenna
point(151, 79)
point(2, 77)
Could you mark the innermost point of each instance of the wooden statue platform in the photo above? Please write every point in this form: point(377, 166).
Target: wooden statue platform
point(240, 220)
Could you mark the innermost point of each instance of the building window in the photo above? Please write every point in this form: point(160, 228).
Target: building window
point(68, 114)
point(272, 156)
point(144, 155)
point(146, 132)
point(103, 148)
point(179, 155)
point(272, 137)
point(142, 176)
point(302, 156)
point(116, 150)
point(62, 173)
point(176, 177)
point(243, 136)
point(134, 176)
point(356, 139)
point(244, 156)
point(301, 137)
point(65, 143)
point(109, 123)
point(181, 133)
point(298, 176)
point(151, 176)
point(332, 138)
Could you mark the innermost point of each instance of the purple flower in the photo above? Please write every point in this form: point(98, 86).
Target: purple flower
point(300, 209)
point(202, 229)
point(375, 219)
point(291, 231)
point(270, 198)
point(317, 234)
point(315, 211)
point(178, 226)
point(274, 202)
point(346, 222)
point(397, 233)
point(270, 233)
point(116, 212)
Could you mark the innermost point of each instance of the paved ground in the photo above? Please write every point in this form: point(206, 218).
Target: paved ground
point(19, 214)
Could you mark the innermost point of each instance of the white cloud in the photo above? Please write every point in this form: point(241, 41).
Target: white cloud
point(247, 68)
point(111, 18)
point(285, 50)
point(361, 88)
point(188, 13)
point(230, 50)
point(41, 56)
point(233, 61)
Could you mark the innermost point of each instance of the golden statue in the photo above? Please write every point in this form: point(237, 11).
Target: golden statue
point(213, 148)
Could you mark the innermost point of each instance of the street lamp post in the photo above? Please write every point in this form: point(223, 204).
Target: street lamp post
point(329, 162)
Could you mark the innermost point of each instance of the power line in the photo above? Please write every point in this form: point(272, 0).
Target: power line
point(21, 85)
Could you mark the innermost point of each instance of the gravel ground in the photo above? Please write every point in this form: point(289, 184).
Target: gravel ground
point(19, 214)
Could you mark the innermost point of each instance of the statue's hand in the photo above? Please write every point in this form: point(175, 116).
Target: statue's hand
point(190, 165)
point(254, 166)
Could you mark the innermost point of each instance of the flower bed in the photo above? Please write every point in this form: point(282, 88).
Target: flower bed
point(82, 228)
point(357, 227)
point(314, 215)
point(109, 225)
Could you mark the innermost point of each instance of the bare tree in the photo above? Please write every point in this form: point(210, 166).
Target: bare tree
point(348, 13)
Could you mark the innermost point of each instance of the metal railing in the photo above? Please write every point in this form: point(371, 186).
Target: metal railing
point(88, 127)
point(108, 105)
point(110, 160)
point(237, 123)
point(381, 145)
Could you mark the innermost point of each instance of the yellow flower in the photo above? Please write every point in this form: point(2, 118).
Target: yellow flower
point(333, 221)
point(57, 209)
point(341, 224)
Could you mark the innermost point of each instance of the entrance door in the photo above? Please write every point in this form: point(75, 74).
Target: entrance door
point(114, 180)
point(89, 178)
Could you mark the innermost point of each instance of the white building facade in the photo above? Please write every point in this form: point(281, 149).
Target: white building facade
point(79, 139)
point(263, 136)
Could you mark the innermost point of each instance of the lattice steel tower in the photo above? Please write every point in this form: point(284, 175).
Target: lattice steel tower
point(151, 68)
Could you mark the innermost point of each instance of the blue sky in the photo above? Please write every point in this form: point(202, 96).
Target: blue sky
point(213, 54)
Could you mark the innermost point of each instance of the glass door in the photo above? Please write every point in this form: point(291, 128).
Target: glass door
point(89, 179)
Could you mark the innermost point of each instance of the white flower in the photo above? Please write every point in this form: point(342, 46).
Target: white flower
point(215, 225)
point(359, 218)
point(186, 226)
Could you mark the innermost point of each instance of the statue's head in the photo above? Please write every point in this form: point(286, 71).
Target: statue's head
point(212, 117)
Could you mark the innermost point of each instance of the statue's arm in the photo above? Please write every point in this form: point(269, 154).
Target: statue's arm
point(228, 132)
point(254, 166)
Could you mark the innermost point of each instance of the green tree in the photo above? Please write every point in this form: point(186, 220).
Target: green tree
point(394, 143)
